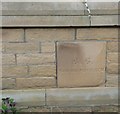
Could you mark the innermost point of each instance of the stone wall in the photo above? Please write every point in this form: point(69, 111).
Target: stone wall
point(31, 36)
point(29, 54)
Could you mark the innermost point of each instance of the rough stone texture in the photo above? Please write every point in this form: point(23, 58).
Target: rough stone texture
point(14, 71)
point(0, 84)
point(72, 109)
point(81, 63)
point(26, 97)
point(80, 110)
point(112, 57)
point(47, 47)
point(82, 96)
point(113, 68)
point(45, 21)
point(8, 59)
point(104, 20)
point(43, 8)
point(36, 82)
point(105, 109)
point(8, 83)
point(12, 35)
point(42, 70)
point(37, 109)
point(98, 34)
point(32, 59)
point(22, 47)
point(49, 34)
point(112, 80)
point(112, 46)
point(2, 47)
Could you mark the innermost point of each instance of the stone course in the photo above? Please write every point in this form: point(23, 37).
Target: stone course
point(65, 97)
point(88, 110)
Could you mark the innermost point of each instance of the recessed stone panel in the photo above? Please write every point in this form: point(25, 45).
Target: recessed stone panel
point(81, 64)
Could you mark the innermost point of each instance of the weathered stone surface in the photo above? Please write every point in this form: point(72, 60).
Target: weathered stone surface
point(81, 63)
point(82, 96)
point(36, 82)
point(42, 70)
point(0, 83)
point(47, 47)
point(8, 59)
point(22, 47)
point(80, 109)
point(45, 21)
point(14, 71)
point(112, 80)
point(72, 109)
point(112, 57)
point(112, 46)
point(43, 8)
point(37, 109)
point(104, 20)
point(113, 68)
point(98, 34)
point(2, 47)
point(8, 83)
point(105, 109)
point(49, 34)
point(32, 59)
point(65, 97)
point(26, 97)
point(103, 7)
point(12, 35)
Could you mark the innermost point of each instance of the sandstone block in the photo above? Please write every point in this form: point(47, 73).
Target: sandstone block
point(14, 71)
point(113, 68)
point(104, 20)
point(22, 47)
point(81, 63)
point(42, 70)
point(8, 83)
point(36, 82)
point(97, 34)
point(47, 47)
point(103, 7)
point(44, 21)
point(112, 80)
point(49, 34)
point(12, 35)
point(112, 57)
point(82, 96)
point(8, 59)
point(43, 8)
point(26, 97)
point(32, 59)
point(112, 46)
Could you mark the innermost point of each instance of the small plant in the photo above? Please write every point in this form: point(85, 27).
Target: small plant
point(8, 106)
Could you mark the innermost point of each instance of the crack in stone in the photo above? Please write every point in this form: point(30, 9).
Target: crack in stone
point(88, 10)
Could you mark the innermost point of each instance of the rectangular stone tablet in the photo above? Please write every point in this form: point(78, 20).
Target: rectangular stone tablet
point(81, 64)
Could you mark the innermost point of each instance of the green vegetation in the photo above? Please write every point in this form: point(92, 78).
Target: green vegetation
point(8, 106)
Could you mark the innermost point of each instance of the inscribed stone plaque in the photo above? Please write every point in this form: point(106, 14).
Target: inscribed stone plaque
point(81, 64)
